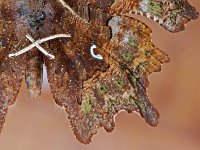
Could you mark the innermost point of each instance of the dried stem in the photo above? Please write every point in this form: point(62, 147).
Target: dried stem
point(36, 44)
point(40, 48)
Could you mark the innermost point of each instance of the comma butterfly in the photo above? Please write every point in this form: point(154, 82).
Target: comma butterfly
point(97, 56)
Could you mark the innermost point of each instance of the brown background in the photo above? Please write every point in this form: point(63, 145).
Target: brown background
point(40, 124)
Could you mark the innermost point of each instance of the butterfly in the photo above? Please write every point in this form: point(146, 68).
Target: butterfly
point(98, 57)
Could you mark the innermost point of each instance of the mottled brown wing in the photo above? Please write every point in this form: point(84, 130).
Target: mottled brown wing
point(73, 65)
point(171, 14)
point(11, 69)
point(131, 57)
point(93, 92)
point(66, 76)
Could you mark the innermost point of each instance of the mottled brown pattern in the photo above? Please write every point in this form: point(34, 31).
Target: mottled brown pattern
point(91, 90)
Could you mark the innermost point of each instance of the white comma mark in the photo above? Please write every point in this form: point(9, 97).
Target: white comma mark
point(98, 56)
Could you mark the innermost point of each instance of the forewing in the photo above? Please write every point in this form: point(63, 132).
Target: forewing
point(11, 69)
point(91, 90)
point(74, 64)
point(123, 85)
point(171, 14)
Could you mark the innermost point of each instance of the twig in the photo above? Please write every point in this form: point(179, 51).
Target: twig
point(36, 44)
point(40, 48)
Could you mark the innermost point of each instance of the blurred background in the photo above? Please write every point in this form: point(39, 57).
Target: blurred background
point(40, 124)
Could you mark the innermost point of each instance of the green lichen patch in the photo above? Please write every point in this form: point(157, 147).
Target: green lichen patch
point(87, 105)
point(127, 56)
point(134, 101)
point(139, 104)
point(102, 89)
point(175, 12)
point(132, 42)
point(155, 8)
point(130, 100)
point(119, 83)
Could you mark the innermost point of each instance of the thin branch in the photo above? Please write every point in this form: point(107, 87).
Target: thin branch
point(36, 43)
point(40, 48)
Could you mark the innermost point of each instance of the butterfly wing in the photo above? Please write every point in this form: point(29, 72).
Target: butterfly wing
point(171, 14)
point(11, 69)
point(91, 90)
point(72, 66)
